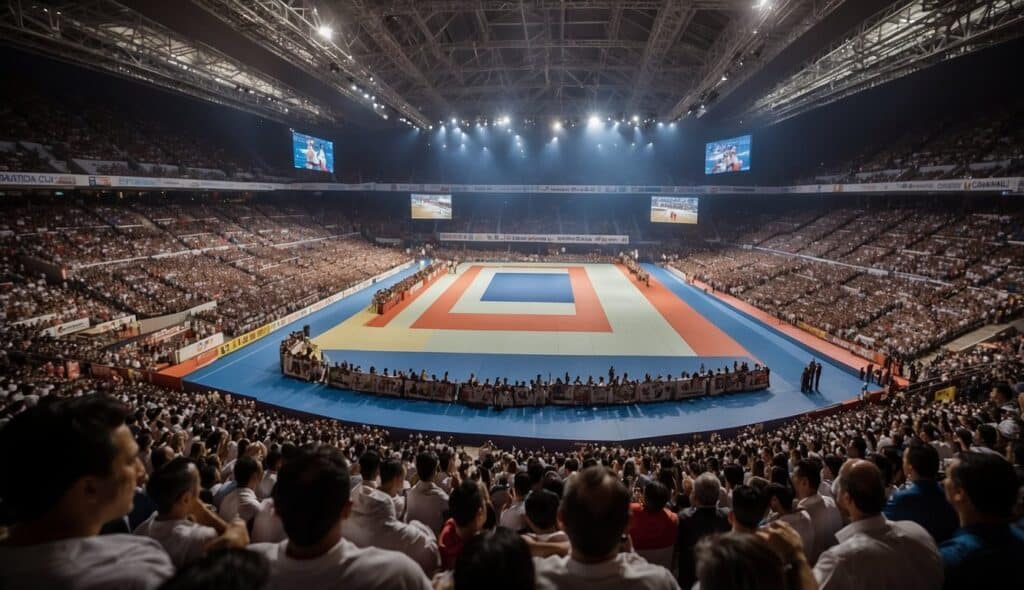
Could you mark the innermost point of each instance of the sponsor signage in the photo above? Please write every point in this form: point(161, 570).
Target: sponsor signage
point(196, 348)
point(66, 328)
point(534, 238)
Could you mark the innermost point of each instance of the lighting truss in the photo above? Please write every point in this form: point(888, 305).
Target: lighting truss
point(106, 36)
point(291, 30)
point(895, 42)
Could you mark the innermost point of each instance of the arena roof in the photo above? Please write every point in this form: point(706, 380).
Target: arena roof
point(422, 61)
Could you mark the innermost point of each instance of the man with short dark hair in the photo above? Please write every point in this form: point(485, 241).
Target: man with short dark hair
point(58, 507)
point(183, 524)
point(703, 518)
point(542, 517)
point(426, 501)
point(781, 500)
point(242, 502)
point(595, 514)
point(824, 513)
point(987, 550)
point(748, 509)
point(468, 515)
point(514, 516)
point(312, 499)
point(652, 526)
point(873, 552)
point(923, 500)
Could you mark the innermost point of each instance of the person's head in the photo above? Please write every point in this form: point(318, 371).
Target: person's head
point(392, 476)
point(542, 511)
point(426, 465)
point(733, 474)
point(860, 489)
point(247, 472)
point(498, 560)
point(706, 490)
point(656, 496)
point(748, 509)
point(369, 465)
point(521, 485)
point(920, 461)
point(174, 488)
point(982, 487)
point(806, 477)
point(595, 513)
point(312, 496)
point(781, 498)
point(738, 562)
point(466, 507)
point(223, 569)
point(1002, 394)
point(987, 435)
point(272, 462)
point(74, 462)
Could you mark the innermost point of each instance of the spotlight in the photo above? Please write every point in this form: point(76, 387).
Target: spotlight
point(454, 120)
point(635, 118)
point(593, 121)
point(325, 31)
point(556, 126)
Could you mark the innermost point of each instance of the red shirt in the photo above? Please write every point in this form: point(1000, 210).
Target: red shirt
point(652, 530)
point(449, 543)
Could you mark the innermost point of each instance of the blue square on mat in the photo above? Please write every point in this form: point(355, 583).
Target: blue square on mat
point(526, 286)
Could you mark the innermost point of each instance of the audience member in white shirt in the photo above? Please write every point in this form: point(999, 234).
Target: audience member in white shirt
point(59, 506)
point(514, 515)
point(873, 552)
point(270, 467)
point(782, 505)
point(267, 526)
point(426, 501)
point(822, 510)
point(595, 514)
point(393, 483)
point(242, 502)
point(312, 498)
point(182, 524)
point(373, 522)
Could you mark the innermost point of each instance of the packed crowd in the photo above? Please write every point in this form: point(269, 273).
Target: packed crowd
point(906, 493)
point(398, 290)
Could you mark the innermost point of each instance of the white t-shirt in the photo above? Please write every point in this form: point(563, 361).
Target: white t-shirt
point(267, 527)
point(514, 517)
point(183, 540)
point(426, 502)
point(240, 502)
point(107, 561)
point(627, 570)
point(344, 566)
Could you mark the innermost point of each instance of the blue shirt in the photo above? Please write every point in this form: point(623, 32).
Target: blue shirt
point(983, 556)
point(924, 502)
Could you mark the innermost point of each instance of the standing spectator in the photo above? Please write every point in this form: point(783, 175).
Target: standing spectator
point(242, 501)
point(823, 511)
point(542, 517)
point(653, 529)
point(312, 498)
point(923, 500)
point(271, 465)
point(748, 509)
point(700, 520)
point(595, 515)
point(496, 560)
point(426, 501)
point(58, 506)
point(513, 516)
point(182, 524)
point(468, 515)
point(781, 501)
point(873, 552)
point(987, 550)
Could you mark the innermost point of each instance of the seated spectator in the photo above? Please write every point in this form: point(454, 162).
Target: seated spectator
point(987, 550)
point(595, 515)
point(703, 518)
point(773, 559)
point(183, 524)
point(873, 552)
point(58, 506)
point(542, 517)
point(749, 507)
point(242, 502)
point(496, 560)
point(822, 510)
point(513, 516)
point(312, 498)
point(653, 529)
point(373, 522)
point(468, 515)
point(782, 503)
point(923, 500)
point(392, 483)
point(223, 569)
point(426, 501)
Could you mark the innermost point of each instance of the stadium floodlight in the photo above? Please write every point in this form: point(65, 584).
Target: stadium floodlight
point(325, 31)
point(454, 120)
point(593, 121)
point(556, 126)
point(635, 118)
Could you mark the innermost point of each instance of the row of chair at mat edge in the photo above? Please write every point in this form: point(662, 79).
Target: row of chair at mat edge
point(534, 393)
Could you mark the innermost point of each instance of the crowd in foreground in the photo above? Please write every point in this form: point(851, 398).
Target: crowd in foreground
point(121, 484)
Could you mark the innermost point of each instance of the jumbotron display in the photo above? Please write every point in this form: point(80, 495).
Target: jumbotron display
point(431, 206)
point(312, 153)
point(727, 155)
point(674, 209)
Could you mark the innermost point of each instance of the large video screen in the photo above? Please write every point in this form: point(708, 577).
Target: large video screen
point(312, 153)
point(674, 209)
point(727, 155)
point(431, 206)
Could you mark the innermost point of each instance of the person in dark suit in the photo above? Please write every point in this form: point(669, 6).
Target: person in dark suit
point(817, 375)
point(923, 500)
point(700, 520)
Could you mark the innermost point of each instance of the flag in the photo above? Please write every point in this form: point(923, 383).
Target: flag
point(946, 394)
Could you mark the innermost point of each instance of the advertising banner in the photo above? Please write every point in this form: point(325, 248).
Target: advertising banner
point(534, 238)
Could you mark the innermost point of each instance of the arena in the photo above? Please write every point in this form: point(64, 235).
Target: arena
point(457, 294)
